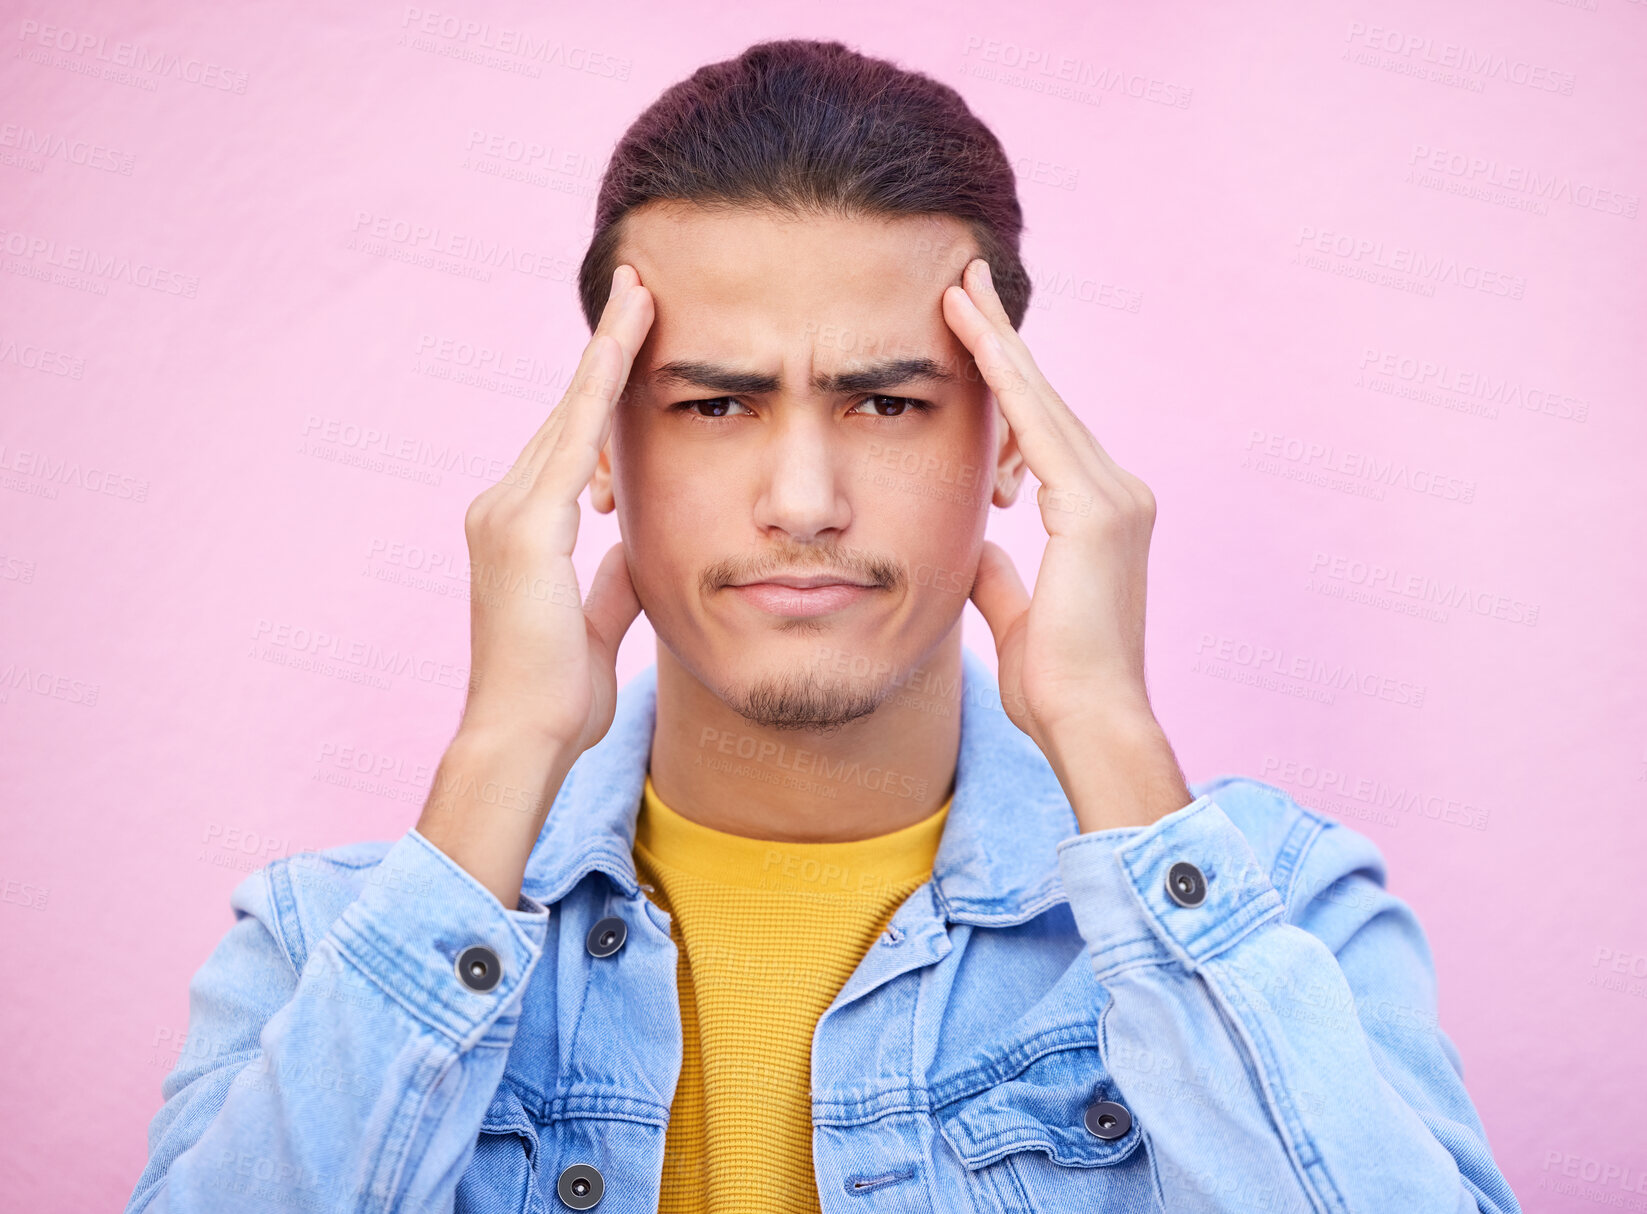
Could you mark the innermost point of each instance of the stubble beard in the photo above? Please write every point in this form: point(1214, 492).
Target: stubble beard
point(798, 701)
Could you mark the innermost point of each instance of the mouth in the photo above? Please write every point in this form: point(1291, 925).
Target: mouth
point(802, 596)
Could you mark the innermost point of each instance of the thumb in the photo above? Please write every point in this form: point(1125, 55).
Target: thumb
point(999, 592)
point(612, 605)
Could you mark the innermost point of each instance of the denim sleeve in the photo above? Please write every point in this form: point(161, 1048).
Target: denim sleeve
point(350, 1072)
point(1277, 1043)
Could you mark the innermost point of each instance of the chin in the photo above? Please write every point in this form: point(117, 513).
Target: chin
point(803, 691)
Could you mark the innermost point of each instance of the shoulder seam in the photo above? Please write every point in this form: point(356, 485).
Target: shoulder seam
point(287, 923)
point(1301, 840)
point(327, 854)
point(1306, 828)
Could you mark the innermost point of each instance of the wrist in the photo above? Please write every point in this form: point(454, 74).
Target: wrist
point(510, 775)
point(1118, 771)
point(486, 738)
point(488, 800)
point(498, 722)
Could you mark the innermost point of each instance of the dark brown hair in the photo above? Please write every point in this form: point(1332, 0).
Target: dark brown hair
point(809, 126)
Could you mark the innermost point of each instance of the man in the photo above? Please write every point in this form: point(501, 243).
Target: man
point(815, 915)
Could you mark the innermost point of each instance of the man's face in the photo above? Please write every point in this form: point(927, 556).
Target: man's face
point(801, 409)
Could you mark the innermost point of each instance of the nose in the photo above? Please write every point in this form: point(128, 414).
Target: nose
point(806, 469)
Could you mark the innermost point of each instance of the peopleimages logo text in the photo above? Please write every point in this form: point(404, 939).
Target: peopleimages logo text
point(1455, 56)
point(1400, 259)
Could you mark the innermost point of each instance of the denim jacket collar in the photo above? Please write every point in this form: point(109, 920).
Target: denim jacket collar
point(996, 863)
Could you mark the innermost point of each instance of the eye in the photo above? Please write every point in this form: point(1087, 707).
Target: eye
point(903, 404)
point(690, 407)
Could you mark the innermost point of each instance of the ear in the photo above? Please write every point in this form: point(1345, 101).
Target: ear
point(600, 482)
point(1009, 461)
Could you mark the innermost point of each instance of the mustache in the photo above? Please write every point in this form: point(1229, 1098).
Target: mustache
point(858, 567)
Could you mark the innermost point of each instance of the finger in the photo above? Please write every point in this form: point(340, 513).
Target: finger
point(1000, 593)
point(1054, 456)
point(578, 426)
point(595, 381)
point(612, 605)
point(624, 279)
point(979, 290)
point(552, 423)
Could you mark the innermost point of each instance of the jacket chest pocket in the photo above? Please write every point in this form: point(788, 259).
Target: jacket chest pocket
point(502, 1176)
point(1054, 1136)
point(607, 1157)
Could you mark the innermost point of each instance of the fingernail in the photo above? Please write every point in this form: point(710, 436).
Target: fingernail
point(613, 289)
point(988, 280)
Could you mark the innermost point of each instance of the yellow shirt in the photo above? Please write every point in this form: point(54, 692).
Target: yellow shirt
point(768, 934)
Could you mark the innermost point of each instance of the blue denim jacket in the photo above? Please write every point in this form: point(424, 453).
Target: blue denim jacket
point(1272, 1047)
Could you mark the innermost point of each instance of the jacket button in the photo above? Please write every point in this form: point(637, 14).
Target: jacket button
point(1108, 1120)
point(607, 936)
point(479, 969)
point(1185, 884)
point(580, 1186)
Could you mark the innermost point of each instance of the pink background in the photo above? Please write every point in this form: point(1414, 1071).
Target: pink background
point(1289, 266)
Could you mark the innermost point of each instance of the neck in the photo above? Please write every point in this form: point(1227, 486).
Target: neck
point(874, 775)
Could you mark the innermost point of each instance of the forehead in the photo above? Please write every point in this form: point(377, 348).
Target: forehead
point(741, 283)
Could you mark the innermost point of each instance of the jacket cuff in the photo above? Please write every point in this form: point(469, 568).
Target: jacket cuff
point(1116, 882)
point(419, 912)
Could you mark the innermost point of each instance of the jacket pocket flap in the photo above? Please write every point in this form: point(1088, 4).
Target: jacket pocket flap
point(507, 1115)
point(1041, 1108)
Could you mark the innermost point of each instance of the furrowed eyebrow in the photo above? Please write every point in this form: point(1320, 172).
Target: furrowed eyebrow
point(714, 376)
point(871, 378)
point(877, 376)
